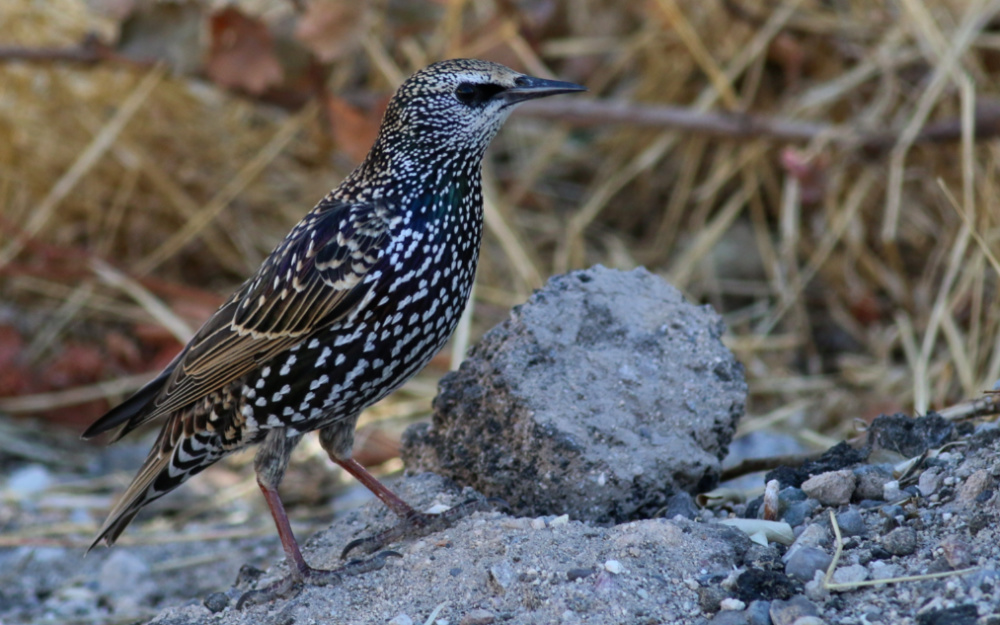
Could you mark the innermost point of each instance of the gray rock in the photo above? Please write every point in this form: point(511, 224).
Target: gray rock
point(850, 574)
point(216, 602)
point(600, 397)
point(957, 553)
point(729, 617)
point(478, 616)
point(885, 570)
point(901, 541)
point(851, 523)
point(758, 613)
point(833, 488)
point(871, 481)
point(797, 513)
point(681, 504)
point(788, 612)
point(975, 484)
point(930, 481)
point(804, 563)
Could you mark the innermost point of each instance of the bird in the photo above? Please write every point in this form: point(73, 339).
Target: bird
point(356, 299)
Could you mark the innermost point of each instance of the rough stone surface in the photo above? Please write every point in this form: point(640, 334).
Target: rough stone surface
point(508, 571)
point(600, 397)
point(832, 488)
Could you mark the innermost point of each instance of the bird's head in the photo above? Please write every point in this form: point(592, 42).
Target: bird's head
point(453, 109)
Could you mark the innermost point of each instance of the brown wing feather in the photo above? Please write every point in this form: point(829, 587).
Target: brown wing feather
point(313, 278)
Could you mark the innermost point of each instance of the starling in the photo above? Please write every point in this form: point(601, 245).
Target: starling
point(357, 299)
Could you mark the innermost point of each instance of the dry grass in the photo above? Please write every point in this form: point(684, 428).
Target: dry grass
point(854, 280)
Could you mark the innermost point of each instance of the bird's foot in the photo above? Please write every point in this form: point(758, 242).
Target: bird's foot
point(292, 584)
point(419, 524)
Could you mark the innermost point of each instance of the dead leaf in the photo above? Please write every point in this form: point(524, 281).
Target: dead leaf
point(354, 129)
point(241, 55)
point(333, 28)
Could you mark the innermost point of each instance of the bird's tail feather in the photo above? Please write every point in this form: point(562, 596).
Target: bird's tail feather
point(170, 463)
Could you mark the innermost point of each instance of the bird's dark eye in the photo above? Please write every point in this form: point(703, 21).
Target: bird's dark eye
point(472, 94)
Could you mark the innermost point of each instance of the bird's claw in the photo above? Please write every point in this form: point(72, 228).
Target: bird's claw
point(420, 524)
point(292, 584)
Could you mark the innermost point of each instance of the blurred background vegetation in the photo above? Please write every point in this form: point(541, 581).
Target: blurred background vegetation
point(822, 172)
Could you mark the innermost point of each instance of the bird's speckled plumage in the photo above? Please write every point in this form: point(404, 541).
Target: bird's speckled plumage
point(357, 298)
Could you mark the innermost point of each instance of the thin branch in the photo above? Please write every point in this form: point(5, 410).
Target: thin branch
point(748, 126)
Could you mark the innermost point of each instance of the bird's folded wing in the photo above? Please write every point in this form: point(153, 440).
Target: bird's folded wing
point(316, 276)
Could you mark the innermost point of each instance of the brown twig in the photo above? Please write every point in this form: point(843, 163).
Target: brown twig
point(90, 52)
point(749, 126)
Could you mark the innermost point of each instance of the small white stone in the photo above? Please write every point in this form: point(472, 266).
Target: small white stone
point(29, 480)
point(732, 603)
point(437, 508)
point(538, 524)
point(559, 520)
point(613, 566)
point(890, 491)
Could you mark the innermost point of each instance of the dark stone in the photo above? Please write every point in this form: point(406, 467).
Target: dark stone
point(216, 602)
point(958, 615)
point(907, 436)
point(760, 585)
point(579, 573)
point(851, 523)
point(680, 504)
point(901, 541)
point(805, 561)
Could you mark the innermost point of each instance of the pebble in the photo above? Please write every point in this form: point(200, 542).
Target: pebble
point(731, 603)
point(216, 602)
point(579, 573)
point(790, 611)
point(681, 505)
point(884, 570)
point(29, 480)
point(710, 597)
point(538, 523)
point(401, 619)
point(833, 488)
point(930, 481)
point(871, 480)
point(851, 523)
point(851, 574)
point(804, 563)
point(478, 617)
point(976, 483)
point(957, 553)
point(813, 535)
point(728, 618)
point(891, 492)
point(901, 541)
point(797, 513)
point(559, 520)
point(759, 613)
point(502, 575)
point(613, 566)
